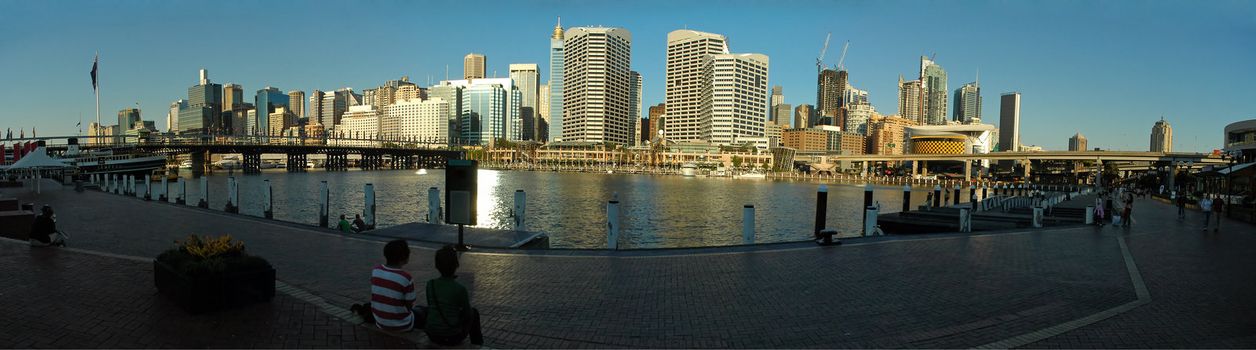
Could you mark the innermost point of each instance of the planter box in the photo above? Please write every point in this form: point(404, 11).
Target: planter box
point(216, 292)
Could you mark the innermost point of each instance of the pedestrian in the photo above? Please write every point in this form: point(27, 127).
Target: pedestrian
point(1099, 211)
point(1181, 205)
point(1205, 204)
point(1220, 207)
point(1118, 209)
point(1127, 215)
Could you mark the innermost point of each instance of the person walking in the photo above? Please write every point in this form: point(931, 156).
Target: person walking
point(1127, 215)
point(1181, 204)
point(1219, 207)
point(1205, 204)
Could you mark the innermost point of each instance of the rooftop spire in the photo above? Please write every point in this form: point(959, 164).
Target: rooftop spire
point(558, 29)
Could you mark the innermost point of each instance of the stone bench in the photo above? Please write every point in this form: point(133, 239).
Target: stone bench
point(16, 224)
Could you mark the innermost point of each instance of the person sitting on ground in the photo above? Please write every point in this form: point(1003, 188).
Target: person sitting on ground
point(450, 317)
point(392, 292)
point(358, 224)
point(344, 225)
point(44, 231)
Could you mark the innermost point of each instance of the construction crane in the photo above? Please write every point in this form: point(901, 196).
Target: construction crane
point(840, 62)
point(820, 60)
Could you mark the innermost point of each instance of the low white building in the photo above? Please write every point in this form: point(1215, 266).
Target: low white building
point(359, 122)
point(421, 120)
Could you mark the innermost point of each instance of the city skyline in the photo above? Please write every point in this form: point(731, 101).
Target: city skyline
point(145, 63)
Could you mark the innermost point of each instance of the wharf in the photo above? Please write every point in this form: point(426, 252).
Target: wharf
point(472, 236)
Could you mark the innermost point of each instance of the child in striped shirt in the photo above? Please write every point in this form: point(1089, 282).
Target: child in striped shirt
point(392, 291)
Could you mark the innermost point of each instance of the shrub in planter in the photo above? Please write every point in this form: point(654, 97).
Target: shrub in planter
point(211, 273)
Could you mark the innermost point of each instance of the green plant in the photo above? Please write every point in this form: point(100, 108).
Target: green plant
point(197, 256)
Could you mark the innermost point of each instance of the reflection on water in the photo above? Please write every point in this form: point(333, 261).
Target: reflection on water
point(658, 211)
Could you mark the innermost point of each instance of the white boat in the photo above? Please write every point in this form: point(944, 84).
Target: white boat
point(228, 163)
point(689, 170)
point(421, 172)
point(112, 161)
point(187, 164)
point(751, 175)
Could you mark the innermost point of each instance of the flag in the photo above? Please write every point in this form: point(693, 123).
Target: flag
point(94, 62)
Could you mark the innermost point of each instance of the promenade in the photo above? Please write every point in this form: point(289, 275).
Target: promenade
point(1162, 283)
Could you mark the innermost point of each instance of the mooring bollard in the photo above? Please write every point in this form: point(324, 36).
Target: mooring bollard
point(956, 195)
point(233, 196)
point(1037, 217)
point(972, 196)
point(148, 188)
point(965, 220)
point(204, 203)
point(822, 204)
point(612, 222)
point(870, 220)
point(747, 224)
point(906, 198)
point(268, 201)
point(323, 207)
point(1090, 215)
point(433, 206)
point(867, 199)
point(368, 192)
point(182, 197)
point(520, 211)
point(164, 196)
point(937, 196)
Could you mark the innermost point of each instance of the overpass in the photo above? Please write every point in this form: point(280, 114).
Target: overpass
point(374, 153)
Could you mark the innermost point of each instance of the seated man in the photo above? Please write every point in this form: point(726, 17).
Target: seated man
point(450, 317)
point(44, 230)
point(344, 225)
point(358, 224)
point(392, 291)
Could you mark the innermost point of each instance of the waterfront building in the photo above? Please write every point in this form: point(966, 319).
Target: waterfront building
point(1240, 137)
point(689, 79)
point(739, 99)
point(296, 101)
point(1077, 143)
point(424, 120)
point(1161, 136)
point(830, 88)
point(556, 56)
point(803, 116)
point(526, 76)
point(453, 116)
point(204, 109)
point(887, 135)
point(543, 113)
point(359, 122)
point(806, 139)
point(850, 143)
point(911, 100)
point(336, 103)
point(597, 83)
point(784, 114)
point(968, 104)
point(1009, 122)
point(473, 66)
point(172, 117)
point(266, 101)
point(933, 87)
point(489, 109)
point(951, 139)
point(278, 120)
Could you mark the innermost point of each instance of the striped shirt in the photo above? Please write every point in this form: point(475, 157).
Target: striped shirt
point(392, 292)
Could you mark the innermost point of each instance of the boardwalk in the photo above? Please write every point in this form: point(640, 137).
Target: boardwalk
point(1163, 283)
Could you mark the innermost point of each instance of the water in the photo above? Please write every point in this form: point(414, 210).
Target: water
point(658, 211)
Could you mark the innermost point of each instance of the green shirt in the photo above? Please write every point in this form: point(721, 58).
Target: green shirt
point(446, 300)
point(344, 226)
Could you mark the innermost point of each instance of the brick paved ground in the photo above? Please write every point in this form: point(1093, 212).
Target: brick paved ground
point(55, 298)
point(952, 291)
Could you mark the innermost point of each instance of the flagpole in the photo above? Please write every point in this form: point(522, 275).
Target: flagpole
point(97, 89)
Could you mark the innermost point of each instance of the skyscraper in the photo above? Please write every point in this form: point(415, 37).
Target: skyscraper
point(489, 109)
point(634, 99)
point(968, 104)
point(658, 114)
point(232, 96)
point(266, 101)
point(911, 100)
point(803, 115)
point(689, 82)
point(597, 82)
point(473, 66)
point(555, 116)
point(452, 94)
point(127, 118)
point(1077, 143)
point(739, 99)
point(1009, 122)
point(933, 85)
point(204, 109)
point(784, 114)
point(172, 117)
point(542, 113)
point(296, 100)
point(335, 104)
point(830, 86)
point(316, 108)
point(778, 97)
point(1161, 136)
point(526, 77)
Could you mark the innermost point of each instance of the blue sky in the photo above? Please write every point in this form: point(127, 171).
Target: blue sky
point(1107, 69)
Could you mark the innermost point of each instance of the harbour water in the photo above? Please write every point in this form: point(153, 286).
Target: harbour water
point(658, 211)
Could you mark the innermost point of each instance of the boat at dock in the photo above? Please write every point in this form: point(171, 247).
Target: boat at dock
point(689, 170)
point(121, 161)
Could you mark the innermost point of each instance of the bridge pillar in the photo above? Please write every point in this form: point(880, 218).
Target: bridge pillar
point(296, 162)
point(337, 161)
point(252, 163)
